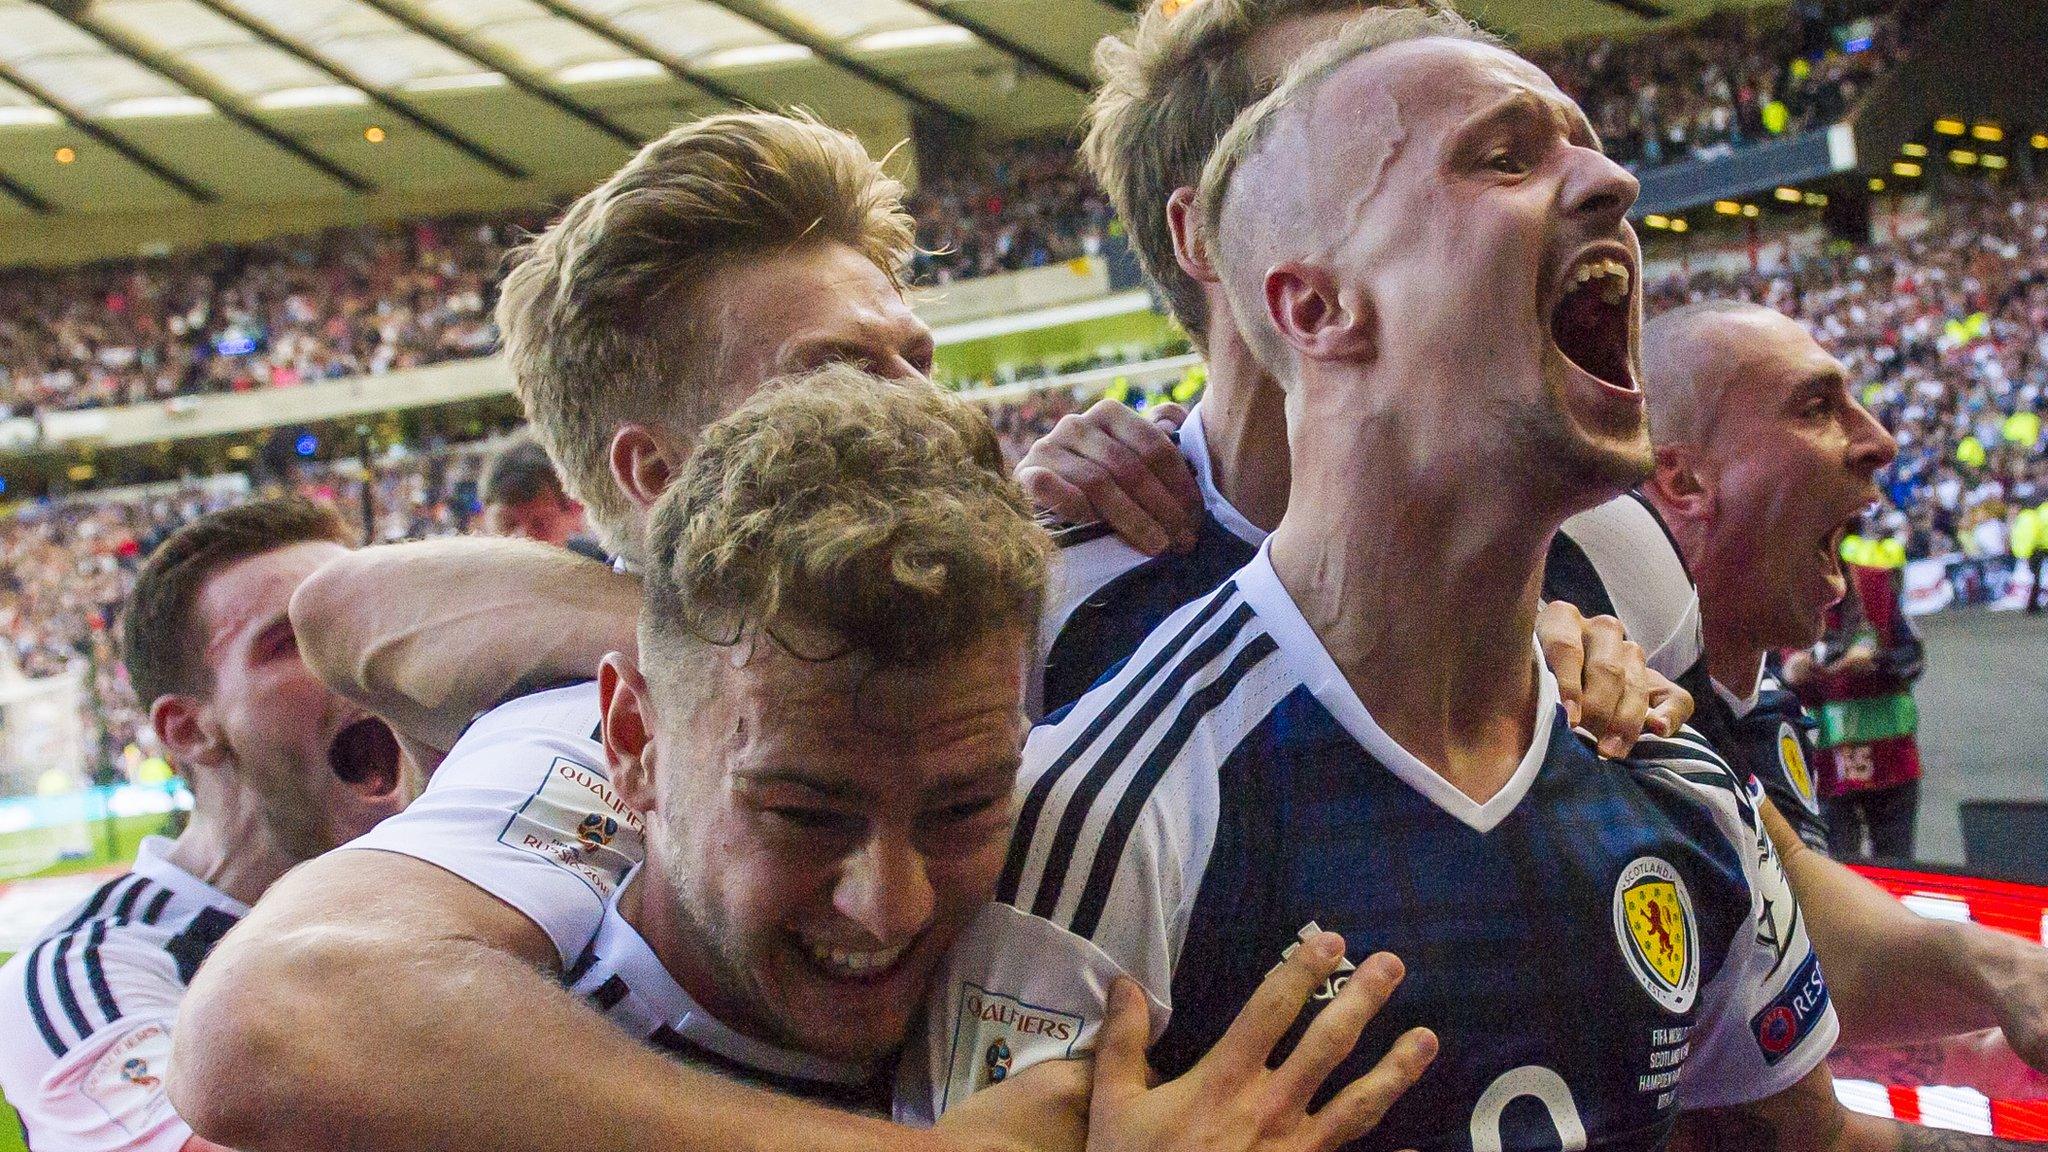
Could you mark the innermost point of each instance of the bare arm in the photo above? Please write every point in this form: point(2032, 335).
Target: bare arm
point(1808, 1118)
point(375, 1002)
point(427, 635)
point(1900, 978)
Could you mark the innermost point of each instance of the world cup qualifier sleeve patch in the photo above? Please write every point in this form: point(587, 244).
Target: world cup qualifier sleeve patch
point(127, 1081)
point(1792, 1013)
point(575, 820)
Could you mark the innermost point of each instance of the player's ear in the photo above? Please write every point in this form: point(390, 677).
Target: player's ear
point(638, 465)
point(1678, 486)
point(188, 731)
point(1315, 317)
point(1190, 251)
point(628, 731)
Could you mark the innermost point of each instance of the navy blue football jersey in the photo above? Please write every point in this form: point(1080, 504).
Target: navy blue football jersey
point(1598, 946)
point(1773, 736)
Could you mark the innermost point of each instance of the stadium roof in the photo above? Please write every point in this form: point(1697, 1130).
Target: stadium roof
point(139, 106)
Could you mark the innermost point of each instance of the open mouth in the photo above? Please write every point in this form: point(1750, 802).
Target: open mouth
point(365, 755)
point(1590, 322)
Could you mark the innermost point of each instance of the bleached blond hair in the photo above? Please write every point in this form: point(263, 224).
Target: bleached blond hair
point(1171, 87)
point(878, 512)
point(1375, 29)
point(597, 312)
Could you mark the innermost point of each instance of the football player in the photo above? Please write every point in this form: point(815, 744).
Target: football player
point(1352, 730)
point(734, 248)
point(281, 770)
point(1171, 87)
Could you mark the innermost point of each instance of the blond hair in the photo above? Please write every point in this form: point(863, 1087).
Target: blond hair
point(1170, 90)
point(590, 309)
point(878, 511)
point(1376, 28)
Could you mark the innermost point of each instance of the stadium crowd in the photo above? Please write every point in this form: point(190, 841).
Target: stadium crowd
point(1738, 78)
point(351, 301)
point(1943, 333)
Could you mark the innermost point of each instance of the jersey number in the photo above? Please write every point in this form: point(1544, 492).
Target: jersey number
point(1548, 1089)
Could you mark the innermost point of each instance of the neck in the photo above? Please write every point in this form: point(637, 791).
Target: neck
point(1420, 573)
point(1735, 664)
point(1244, 421)
point(230, 845)
point(654, 908)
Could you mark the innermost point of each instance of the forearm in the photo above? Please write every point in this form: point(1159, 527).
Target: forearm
point(427, 635)
point(1875, 1134)
point(1895, 977)
point(307, 1037)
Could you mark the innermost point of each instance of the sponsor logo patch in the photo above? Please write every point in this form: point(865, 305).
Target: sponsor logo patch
point(127, 1081)
point(1336, 980)
point(1791, 1015)
point(576, 821)
point(1654, 924)
point(1792, 758)
point(994, 1034)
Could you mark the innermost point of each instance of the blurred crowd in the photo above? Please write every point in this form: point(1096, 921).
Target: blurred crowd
point(1736, 78)
point(1021, 205)
point(367, 300)
point(1945, 334)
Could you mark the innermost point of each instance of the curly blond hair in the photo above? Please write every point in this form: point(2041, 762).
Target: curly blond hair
point(878, 511)
point(596, 311)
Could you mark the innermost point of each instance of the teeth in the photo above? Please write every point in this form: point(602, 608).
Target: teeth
point(847, 962)
point(1613, 274)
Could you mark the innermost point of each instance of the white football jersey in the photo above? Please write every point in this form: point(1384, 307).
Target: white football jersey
point(87, 1010)
point(523, 808)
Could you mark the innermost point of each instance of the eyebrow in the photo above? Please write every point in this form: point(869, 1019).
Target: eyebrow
point(263, 625)
point(1526, 107)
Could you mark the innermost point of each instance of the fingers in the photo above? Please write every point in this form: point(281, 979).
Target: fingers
point(1364, 1102)
point(1626, 725)
point(1272, 1010)
point(1167, 415)
point(1050, 493)
point(1120, 1068)
point(1610, 664)
point(1146, 440)
point(1117, 483)
point(1335, 1031)
point(1670, 706)
point(1560, 629)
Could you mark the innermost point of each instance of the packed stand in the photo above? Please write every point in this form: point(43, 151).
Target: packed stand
point(1945, 335)
point(1736, 78)
point(345, 302)
point(1025, 204)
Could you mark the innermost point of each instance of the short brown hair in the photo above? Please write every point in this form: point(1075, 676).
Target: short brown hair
point(878, 511)
point(161, 637)
point(1170, 90)
point(521, 473)
point(583, 306)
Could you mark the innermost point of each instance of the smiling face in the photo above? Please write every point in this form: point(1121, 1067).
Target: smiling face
point(1789, 458)
point(823, 831)
point(326, 772)
point(1480, 246)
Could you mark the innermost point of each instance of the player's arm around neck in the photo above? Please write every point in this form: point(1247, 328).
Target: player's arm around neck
point(374, 1002)
point(1899, 978)
point(427, 635)
point(1808, 1118)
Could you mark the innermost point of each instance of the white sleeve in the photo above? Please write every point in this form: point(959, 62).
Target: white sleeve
point(105, 1092)
point(523, 808)
point(1029, 980)
point(1766, 1020)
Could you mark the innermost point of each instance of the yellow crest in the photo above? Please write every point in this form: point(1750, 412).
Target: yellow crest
point(1793, 758)
point(1658, 928)
point(1653, 923)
